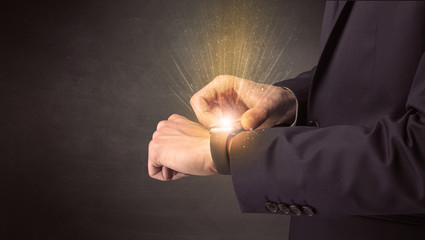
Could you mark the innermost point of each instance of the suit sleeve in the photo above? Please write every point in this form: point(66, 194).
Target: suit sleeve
point(300, 86)
point(338, 170)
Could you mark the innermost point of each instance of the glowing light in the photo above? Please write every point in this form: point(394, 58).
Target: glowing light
point(246, 39)
point(226, 122)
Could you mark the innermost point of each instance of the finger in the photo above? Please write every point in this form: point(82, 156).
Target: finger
point(175, 116)
point(154, 169)
point(160, 124)
point(205, 102)
point(202, 109)
point(253, 118)
point(158, 176)
point(167, 174)
point(155, 135)
point(155, 172)
point(180, 175)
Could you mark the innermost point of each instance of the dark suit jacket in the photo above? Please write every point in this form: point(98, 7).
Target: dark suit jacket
point(362, 167)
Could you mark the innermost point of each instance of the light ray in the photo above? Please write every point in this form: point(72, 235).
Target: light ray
point(244, 38)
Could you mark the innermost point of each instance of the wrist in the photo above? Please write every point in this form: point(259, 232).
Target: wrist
point(209, 163)
point(220, 143)
point(291, 107)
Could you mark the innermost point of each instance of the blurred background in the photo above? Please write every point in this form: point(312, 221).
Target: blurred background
point(82, 87)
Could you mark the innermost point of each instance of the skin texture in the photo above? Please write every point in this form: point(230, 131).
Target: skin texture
point(257, 105)
point(180, 147)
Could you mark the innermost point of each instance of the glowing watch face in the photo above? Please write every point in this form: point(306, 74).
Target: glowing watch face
point(226, 124)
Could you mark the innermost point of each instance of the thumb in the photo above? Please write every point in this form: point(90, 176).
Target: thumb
point(253, 118)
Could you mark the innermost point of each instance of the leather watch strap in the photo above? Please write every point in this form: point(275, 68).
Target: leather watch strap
point(219, 141)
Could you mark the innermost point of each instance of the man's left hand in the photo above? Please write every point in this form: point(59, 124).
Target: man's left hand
point(179, 148)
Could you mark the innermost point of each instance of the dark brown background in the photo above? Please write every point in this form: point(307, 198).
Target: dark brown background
point(82, 86)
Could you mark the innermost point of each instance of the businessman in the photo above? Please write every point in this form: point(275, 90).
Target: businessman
point(351, 163)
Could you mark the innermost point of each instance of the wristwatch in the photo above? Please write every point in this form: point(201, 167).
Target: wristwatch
point(219, 142)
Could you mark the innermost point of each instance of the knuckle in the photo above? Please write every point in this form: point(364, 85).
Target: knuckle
point(225, 78)
point(155, 135)
point(173, 116)
point(161, 124)
point(219, 77)
point(194, 100)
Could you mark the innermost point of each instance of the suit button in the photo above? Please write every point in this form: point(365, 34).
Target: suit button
point(295, 210)
point(313, 123)
point(308, 210)
point(271, 207)
point(283, 208)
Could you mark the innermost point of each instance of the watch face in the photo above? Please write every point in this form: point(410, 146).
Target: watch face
point(226, 124)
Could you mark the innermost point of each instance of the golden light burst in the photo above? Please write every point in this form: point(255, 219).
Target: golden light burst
point(234, 37)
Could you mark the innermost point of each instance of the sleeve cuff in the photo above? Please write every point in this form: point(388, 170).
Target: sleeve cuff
point(296, 106)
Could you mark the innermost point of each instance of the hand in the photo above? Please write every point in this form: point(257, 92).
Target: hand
point(179, 148)
point(257, 105)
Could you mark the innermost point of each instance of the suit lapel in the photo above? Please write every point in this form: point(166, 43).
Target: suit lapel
point(333, 16)
point(332, 31)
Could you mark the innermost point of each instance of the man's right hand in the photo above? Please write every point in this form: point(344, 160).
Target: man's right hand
point(257, 105)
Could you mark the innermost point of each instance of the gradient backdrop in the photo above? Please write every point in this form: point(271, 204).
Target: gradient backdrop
point(82, 87)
